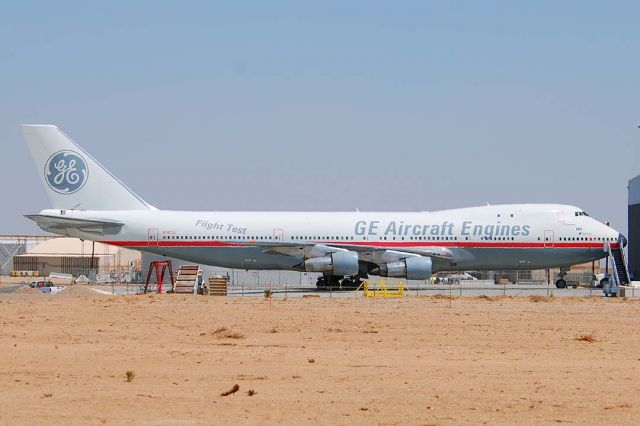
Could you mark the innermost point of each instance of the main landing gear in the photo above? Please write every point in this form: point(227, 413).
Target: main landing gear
point(334, 282)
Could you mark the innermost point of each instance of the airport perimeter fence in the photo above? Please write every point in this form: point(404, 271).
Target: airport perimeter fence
point(291, 283)
point(501, 283)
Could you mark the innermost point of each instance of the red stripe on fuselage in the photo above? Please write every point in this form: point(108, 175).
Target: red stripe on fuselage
point(382, 244)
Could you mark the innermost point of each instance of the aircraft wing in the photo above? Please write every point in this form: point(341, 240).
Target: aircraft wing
point(58, 224)
point(317, 249)
point(439, 252)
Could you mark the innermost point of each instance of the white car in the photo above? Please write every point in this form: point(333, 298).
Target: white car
point(46, 286)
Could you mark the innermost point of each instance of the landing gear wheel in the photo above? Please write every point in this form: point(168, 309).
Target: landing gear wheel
point(322, 282)
point(350, 283)
point(602, 283)
point(328, 281)
point(346, 283)
point(561, 284)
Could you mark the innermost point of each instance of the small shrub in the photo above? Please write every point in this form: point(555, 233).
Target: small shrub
point(267, 293)
point(224, 333)
point(591, 338)
point(130, 375)
point(231, 391)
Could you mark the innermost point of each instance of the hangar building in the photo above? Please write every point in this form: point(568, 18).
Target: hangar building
point(633, 234)
point(76, 257)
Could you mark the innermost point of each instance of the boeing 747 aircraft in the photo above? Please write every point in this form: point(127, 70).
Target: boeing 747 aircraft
point(89, 203)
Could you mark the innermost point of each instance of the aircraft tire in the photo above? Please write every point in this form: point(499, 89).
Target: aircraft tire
point(561, 284)
point(350, 283)
point(326, 282)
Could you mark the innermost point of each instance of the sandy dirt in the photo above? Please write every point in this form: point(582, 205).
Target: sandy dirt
point(64, 360)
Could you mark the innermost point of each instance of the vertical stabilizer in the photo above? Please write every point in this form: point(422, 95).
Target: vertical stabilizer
point(72, 178)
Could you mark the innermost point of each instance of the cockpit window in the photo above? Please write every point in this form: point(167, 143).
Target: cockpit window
point(581, 214)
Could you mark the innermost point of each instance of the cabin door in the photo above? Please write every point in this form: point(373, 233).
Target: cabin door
point(152, 239)
point(278, 234)
point(548, 239)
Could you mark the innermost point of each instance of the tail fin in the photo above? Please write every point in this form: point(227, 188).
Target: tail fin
point(72, 178)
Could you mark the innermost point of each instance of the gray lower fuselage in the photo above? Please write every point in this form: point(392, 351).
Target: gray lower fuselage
point(464, 258)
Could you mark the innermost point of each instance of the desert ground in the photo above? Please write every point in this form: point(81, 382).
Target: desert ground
point(84, 358)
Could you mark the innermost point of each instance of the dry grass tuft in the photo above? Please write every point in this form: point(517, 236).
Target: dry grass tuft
point(440, 296)
point(625, 405)
point(130, 375)
point(537, 299)
point(225, 333)
point(251, 392)
point(485, 297)
point(591, 338)
point(231, 391)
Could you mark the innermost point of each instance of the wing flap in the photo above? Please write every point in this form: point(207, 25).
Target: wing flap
point(315, 249)
point(439, 252)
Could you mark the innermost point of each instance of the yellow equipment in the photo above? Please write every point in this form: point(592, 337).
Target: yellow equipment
point(380, 289)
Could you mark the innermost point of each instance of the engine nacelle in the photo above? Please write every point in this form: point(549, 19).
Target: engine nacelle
point(411, 268)
point(338, 263)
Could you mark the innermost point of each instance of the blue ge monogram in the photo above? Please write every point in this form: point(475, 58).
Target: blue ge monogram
point(66, 172)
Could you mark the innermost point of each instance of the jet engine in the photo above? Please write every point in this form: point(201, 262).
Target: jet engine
point(338, 263)
point(411, 268)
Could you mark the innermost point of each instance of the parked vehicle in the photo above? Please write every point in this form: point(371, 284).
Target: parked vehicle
point(575, 279)
point(46, 286)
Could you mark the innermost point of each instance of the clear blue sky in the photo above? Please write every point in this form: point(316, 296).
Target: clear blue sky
point(329, 106)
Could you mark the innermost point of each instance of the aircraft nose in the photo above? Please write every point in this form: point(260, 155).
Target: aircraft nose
point(622, 240)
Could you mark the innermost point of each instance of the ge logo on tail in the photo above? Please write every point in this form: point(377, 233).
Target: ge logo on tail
point(66, 172)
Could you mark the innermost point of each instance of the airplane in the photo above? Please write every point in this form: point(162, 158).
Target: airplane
point(90, 203)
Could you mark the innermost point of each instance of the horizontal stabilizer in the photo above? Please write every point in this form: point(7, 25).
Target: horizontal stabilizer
point(58, 225)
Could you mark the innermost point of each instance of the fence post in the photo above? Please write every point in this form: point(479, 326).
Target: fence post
point(548, 279)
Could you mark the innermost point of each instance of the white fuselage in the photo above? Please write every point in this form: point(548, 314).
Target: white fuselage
point(519, 236)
